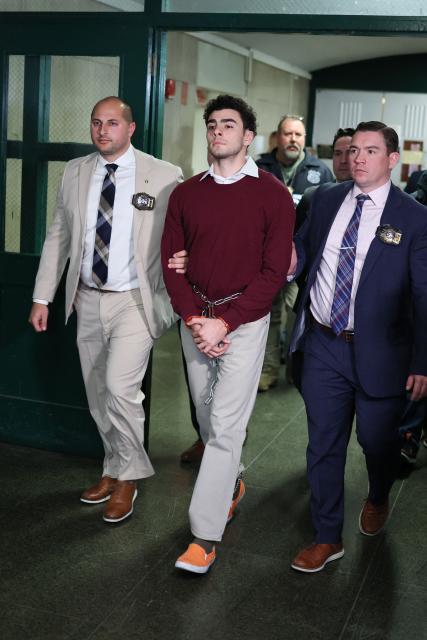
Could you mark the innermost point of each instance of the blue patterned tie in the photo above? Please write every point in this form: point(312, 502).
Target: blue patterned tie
point(103, 227)
point(344, 280)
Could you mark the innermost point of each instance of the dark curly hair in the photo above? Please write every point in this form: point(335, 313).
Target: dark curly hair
point(230, 102)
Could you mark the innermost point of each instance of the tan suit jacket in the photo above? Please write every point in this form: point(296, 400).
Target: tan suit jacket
point(66, 236)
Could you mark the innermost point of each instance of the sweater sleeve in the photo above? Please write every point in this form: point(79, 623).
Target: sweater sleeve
point(260, 292)
point(173, 240)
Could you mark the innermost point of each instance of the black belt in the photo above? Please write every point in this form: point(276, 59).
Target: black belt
point(347, 336)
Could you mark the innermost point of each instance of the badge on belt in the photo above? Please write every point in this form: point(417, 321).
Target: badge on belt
point(143, 201)
point(388, 234)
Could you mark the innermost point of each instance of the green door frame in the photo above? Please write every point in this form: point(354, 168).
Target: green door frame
point(140, 41)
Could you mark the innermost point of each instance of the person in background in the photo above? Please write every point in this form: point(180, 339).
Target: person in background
point(413, 427)
point(291, 163)
point(340, 168)
point(413, 179)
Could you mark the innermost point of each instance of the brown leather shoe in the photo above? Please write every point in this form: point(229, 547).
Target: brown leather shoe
point(316, 556)
point(99, 492)
point(120, 505)
point(193, 454)
point(373, 518)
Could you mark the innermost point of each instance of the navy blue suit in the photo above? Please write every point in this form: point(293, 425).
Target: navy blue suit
point(366, 377)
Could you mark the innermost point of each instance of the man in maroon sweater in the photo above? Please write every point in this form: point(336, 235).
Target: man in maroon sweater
point(236, 223)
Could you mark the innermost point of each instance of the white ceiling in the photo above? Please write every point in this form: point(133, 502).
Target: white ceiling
point(312, 52)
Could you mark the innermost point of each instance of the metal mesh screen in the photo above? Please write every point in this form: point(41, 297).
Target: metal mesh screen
point(13, 206)
point(77, 83)
point(72, 5)
point(15, 98)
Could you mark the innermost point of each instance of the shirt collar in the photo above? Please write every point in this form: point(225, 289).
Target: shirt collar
point(378, 196)
point(127, 159)
point(248, 169)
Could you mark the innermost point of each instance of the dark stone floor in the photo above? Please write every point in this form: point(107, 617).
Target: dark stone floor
point(66, 575)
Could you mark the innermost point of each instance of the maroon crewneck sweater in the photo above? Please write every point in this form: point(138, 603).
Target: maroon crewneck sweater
point(238, 237)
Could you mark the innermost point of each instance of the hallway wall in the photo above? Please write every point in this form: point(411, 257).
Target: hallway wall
point(210, 70)
point(392, 89)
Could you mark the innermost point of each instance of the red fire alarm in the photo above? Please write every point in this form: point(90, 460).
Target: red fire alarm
point(169, 89)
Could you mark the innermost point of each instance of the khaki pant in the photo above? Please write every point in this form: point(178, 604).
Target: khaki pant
point(223, 422)
point(114, 347)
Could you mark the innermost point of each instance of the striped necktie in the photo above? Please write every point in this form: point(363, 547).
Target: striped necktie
point(345, 272)
point(103, 227)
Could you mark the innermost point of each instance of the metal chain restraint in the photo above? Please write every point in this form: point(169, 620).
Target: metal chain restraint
point(208, 312)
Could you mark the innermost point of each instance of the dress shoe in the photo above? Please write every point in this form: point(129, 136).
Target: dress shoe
point(121, 502)
point(373, 518)
point(99, 492)
point(316, 556)
point(193, 454)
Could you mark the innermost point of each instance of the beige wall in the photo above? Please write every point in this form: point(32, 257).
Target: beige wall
point(270, 91)
point(178, 118)
point(274, 93)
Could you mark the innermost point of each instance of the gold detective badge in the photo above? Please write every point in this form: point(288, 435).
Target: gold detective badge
point(143, 201)
point(388, 234)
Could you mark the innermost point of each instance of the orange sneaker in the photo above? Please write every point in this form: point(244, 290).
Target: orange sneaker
point(196, 559)
point(236, 500)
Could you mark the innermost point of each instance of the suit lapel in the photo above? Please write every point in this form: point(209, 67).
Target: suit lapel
point(390, 215)
point(86, 170)
point(142, 185)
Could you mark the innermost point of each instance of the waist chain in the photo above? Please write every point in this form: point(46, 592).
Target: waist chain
point(208, 311)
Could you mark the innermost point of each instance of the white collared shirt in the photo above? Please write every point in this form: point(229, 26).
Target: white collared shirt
point(322, 291)
point(248, 169)
point(122, 274)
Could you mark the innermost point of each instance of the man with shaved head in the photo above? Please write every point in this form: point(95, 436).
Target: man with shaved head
point(108, 223)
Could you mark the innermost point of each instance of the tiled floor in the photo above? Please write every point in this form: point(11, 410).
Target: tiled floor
point(66, 575)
